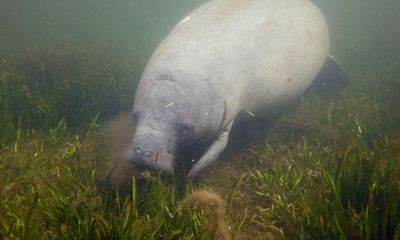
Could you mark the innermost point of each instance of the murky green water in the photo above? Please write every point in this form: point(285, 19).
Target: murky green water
point(363, 32)
point(327, 168)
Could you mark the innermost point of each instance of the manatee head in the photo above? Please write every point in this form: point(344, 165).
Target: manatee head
point(155, 144)
point(152, 147)
point(163, 116)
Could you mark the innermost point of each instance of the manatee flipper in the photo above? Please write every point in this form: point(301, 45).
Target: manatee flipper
point(212, 152)
point(331, 79)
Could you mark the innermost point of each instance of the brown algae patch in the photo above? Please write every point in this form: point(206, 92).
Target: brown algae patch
point(213, 207)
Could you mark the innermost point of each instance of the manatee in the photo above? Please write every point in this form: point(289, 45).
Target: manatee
point(226, 58)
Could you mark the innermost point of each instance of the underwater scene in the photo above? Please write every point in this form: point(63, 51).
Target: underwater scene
point(85, 153)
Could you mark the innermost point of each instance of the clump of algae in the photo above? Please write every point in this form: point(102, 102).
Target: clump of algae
point(213, 207)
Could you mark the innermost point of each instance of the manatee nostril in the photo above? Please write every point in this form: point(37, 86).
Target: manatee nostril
point(138, 151)
point(148, 153)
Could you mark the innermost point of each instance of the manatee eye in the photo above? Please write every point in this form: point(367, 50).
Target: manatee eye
point(185, 133)
point(186, 130)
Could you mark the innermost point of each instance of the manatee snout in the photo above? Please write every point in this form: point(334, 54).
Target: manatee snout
point(149, 152)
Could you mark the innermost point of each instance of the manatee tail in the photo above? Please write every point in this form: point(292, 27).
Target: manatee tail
point(331, 79)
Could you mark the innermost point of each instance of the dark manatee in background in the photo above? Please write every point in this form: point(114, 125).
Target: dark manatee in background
point(225, 58)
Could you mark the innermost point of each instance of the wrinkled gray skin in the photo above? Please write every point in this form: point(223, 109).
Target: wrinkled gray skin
point(224, 58)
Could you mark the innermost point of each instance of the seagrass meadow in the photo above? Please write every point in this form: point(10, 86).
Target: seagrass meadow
point(326, 167)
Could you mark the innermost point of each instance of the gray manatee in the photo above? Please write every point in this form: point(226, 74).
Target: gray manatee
point(225, 58)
